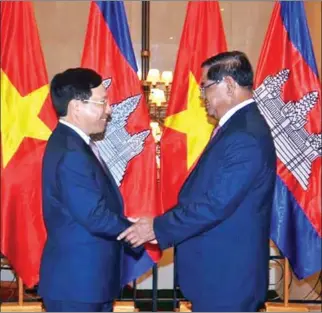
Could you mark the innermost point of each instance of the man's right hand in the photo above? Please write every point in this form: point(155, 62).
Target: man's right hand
point(134, 220)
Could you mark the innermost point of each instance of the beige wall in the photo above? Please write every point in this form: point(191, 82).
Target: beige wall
point(245, 25)
point(314, 11)
point(62, 26)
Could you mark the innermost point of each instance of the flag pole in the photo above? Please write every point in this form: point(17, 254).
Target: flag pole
point(285, 306)
point(145, 46)
point(287, 278)
point(21, 306)
point(145, 66)
point(20, 292)
point(145, 53)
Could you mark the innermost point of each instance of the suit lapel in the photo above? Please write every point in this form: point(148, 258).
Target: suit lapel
point(107, 173)
point(77, 140)
point(230, 123)
point(212, 142)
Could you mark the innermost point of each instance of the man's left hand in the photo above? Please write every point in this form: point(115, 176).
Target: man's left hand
point(139, 233)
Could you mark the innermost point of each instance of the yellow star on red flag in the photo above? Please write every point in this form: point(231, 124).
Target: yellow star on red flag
point(19, 117)
point(193, 122)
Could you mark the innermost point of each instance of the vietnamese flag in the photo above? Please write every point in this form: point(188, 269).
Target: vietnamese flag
point(27, 119)
point(187, 129)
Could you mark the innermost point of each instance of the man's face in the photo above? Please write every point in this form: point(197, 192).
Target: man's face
point(214, 94)
point(96, 111)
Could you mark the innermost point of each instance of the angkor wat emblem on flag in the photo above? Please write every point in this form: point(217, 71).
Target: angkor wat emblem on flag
point(295, 147)
point(118, 147)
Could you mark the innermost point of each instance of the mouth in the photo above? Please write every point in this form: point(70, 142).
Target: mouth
point(106, 118)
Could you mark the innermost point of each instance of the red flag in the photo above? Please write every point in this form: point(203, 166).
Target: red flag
point(289, 96)
point(128, 147)
point(187, 129)
point(27, 118)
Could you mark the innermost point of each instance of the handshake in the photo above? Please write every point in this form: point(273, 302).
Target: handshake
point(139, 233)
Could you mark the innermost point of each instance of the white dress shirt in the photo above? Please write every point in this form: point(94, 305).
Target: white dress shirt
point(233, 110)
point(77, 130)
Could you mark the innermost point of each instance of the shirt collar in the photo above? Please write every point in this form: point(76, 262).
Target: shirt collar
point(85, 137)
point(233, 110)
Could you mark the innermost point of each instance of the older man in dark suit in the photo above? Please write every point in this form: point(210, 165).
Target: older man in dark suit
point(221, 223)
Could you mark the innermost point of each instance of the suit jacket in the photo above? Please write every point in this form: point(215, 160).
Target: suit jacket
point(83, 214)
point(222, 220)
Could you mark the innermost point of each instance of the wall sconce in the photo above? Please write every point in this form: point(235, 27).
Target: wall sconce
point(156, 89)
point(155, 79)
point(157, 96)
point(153, 76)
point(167, 77)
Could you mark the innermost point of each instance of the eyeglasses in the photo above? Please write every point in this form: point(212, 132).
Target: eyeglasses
point(101, 102)
point(204, 87)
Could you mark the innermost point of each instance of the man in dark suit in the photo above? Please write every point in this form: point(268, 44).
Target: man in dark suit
point(82, 206)
point(221, 223)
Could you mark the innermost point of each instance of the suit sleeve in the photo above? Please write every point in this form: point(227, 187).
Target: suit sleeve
point(231, 179)
point(83, 198)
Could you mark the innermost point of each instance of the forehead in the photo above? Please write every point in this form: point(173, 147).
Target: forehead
point(99, 91)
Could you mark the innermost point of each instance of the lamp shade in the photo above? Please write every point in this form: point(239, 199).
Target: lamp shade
point(157, 96)
point(153, 76)
point(167, 77)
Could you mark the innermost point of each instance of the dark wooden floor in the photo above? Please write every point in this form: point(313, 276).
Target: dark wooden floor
point(9, 293)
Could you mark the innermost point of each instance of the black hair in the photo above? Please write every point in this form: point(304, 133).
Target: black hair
point(74, 83)
point(232, 63)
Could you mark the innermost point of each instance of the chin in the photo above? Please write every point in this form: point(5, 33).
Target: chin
point(98, 134)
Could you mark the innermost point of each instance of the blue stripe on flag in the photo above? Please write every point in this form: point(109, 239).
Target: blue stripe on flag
point(294, 19)
point(293, 233)
point(115, 16)
point(133, 268)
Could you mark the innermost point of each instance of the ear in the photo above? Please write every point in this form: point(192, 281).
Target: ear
point(74, 106)
point(231, 85)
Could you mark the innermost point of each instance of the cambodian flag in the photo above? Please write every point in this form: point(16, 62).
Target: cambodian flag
point(128, 147)
point(289, 96)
